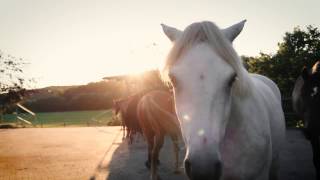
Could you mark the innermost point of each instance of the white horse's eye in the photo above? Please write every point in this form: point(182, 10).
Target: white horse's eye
point(232, 79)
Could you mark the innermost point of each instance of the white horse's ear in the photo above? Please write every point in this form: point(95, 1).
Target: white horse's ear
point(171, 32)
point(233, 31)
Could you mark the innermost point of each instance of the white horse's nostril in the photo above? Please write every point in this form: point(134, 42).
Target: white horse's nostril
point(209, 171)
point(187, 166)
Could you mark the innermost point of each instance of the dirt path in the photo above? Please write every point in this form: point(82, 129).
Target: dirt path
point(99, 153)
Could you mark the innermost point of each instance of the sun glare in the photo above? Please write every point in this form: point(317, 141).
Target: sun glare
point(137, 65)
point(133, 70)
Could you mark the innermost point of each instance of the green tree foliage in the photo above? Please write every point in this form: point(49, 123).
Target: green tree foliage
point(11, 73)
point(298, 48)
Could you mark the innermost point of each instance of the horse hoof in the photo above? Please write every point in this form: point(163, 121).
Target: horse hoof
point(147, 164)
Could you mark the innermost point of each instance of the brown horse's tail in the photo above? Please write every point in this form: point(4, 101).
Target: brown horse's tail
point(158, 113)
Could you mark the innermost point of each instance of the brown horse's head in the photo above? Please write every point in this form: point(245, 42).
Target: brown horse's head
point(116, 106)
point(310, 95)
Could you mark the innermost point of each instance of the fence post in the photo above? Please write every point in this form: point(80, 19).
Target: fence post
point(41, 123)
point(21, 118)
point(16, 113)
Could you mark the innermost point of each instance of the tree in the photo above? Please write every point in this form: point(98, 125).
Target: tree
point(298, 48)
point(12, 80)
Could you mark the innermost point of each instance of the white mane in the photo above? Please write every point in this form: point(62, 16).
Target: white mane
point(209, 33)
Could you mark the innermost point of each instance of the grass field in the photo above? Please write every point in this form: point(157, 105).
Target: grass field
point(61, 119)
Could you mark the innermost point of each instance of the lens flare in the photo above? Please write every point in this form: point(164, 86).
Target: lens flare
point(186, 118)
point(200, 132)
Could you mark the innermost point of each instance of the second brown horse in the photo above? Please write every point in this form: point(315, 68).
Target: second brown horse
point(127, 107)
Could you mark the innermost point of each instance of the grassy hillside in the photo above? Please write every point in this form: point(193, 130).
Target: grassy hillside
point(71, 118)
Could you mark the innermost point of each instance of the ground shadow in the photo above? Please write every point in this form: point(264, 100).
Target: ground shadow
point(128, 162)
point(7, 126)
point(296, 157)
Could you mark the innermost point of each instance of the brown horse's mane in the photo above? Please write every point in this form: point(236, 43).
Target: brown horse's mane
point(159, 113)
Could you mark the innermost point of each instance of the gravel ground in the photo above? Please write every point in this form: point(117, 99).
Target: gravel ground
point(100, 153)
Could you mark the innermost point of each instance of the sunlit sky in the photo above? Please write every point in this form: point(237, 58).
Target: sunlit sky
point(70, 42)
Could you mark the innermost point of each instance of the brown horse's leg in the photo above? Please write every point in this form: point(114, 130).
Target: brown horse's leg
point(128, 132)
point(150, 141)
point(175, 141)
point(158, 142)
point(123, 132)
point(316, 153)
point(131, 136)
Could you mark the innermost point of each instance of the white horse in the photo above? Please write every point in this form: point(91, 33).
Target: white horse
point(232, 121)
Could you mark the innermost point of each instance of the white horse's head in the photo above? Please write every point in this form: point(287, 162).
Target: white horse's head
point(206, 73)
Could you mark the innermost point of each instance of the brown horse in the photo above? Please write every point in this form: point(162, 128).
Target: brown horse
point(127, 107)
point(120, 107)
point(157, 118)
point(306, 103)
